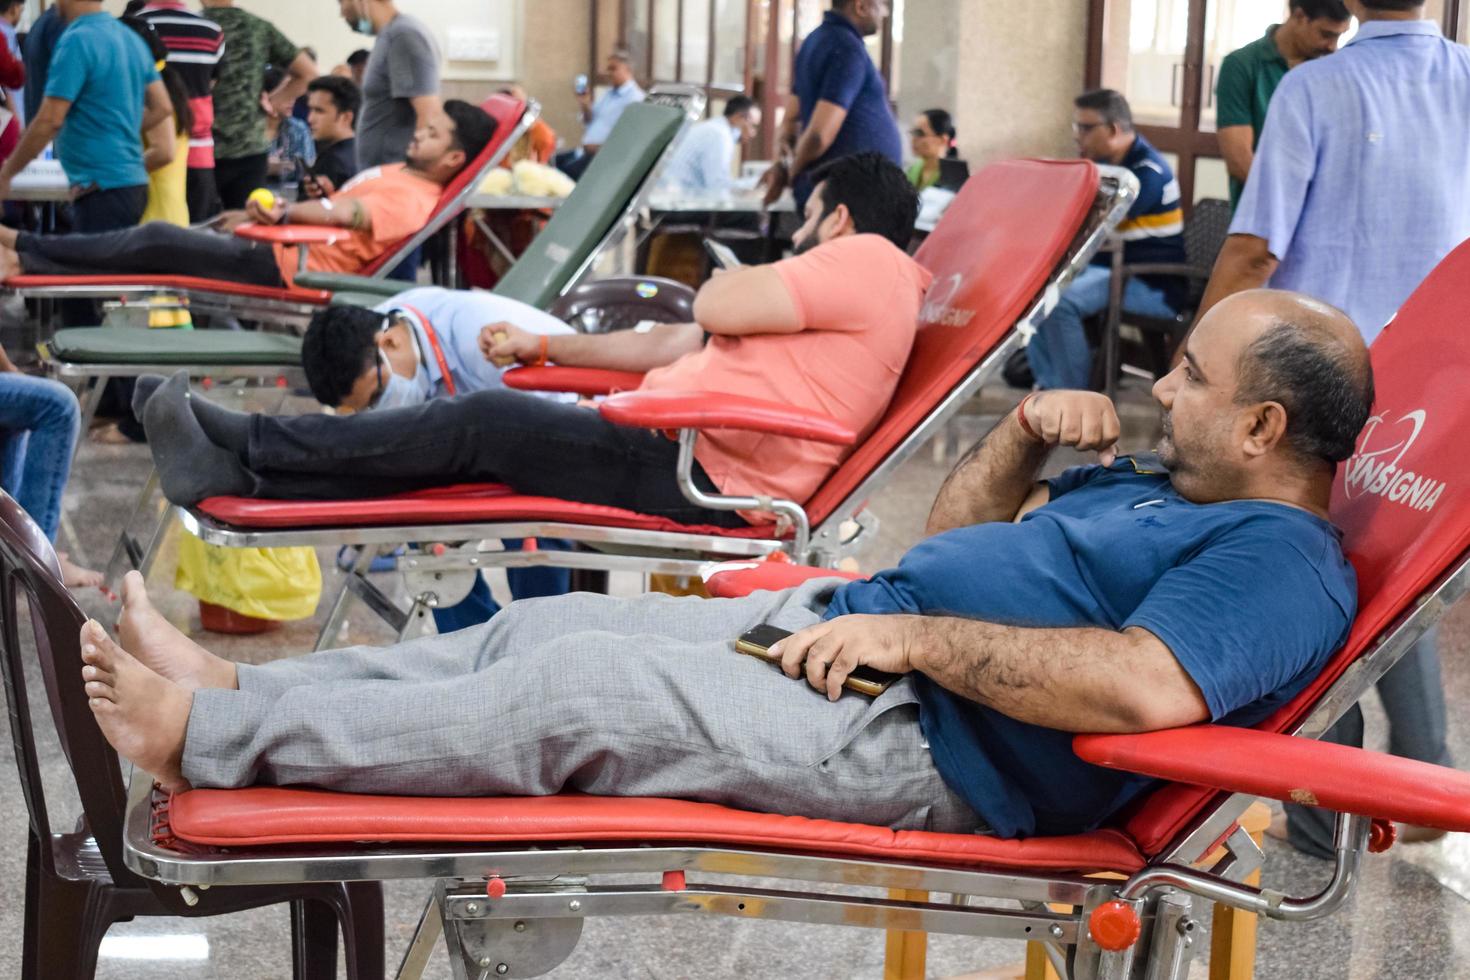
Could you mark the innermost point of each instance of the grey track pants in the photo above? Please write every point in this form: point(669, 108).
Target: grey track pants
point(616, 697)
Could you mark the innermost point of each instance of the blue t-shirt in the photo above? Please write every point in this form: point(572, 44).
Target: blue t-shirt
point(1153, 231)
point(1251, 597)
point(833, 65)
point(101, 67)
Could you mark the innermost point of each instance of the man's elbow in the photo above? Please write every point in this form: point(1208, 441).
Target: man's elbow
point(1251, 255)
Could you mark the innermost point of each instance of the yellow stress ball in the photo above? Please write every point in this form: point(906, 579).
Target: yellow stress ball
point(263, 197)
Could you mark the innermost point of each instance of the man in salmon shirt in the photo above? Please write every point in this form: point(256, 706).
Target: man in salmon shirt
point(828, 330)
point(382, 205)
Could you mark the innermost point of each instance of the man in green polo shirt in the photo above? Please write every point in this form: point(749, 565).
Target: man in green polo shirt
point(1248, 78)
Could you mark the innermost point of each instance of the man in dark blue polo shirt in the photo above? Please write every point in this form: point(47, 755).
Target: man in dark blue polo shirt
point(1153, 232)
point(838, 104)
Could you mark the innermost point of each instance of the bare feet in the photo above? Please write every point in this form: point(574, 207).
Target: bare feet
point(160, 647)
point(74, 576)
point(142, 715)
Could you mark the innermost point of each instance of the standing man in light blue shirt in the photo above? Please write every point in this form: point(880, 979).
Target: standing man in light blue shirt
point(705, 158)
point(600, 117)
point(1360, 186)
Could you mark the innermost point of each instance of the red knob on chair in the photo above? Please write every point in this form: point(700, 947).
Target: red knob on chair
point(438, 550)
point(1114, 926)
point(1381, 836)
point(495, 887)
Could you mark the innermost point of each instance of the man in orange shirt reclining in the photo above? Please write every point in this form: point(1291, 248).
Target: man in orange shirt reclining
point(381, 205)
point(827, 331)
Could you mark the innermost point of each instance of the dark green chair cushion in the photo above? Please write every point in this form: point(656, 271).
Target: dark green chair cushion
point(135, 345)
point(346, 282)
point(639, 139)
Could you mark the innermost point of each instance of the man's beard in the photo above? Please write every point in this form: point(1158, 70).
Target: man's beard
point(806, 244)
point(1167, 450)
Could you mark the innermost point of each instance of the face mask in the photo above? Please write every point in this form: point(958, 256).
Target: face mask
point(401, 392)
point(364, 25)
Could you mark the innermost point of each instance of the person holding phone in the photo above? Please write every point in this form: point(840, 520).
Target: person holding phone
point(600, 116)
point(332, 104)
point(1133, 595)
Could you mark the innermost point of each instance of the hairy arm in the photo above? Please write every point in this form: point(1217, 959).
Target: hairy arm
point(1237, 147)
point(299, 74)
point(1245, 262)
point(821, 131)
point(1084, 679)
point(996, 480)
point(621, 350)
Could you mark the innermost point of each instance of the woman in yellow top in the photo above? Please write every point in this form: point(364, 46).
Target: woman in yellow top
point(931, 139)
point(165, 146)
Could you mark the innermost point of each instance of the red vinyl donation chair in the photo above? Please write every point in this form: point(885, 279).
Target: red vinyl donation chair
point(515, 876)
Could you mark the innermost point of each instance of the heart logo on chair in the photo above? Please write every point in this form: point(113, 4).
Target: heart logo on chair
point(1379, 470)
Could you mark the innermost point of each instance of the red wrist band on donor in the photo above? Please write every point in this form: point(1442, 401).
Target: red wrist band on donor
point(1025, 423)
point(541, 360)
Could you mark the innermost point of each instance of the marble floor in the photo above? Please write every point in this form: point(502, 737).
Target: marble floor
point(1410, 916)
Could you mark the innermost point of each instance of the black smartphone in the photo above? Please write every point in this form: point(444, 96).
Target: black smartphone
point(305, 168)
point(757, 642)
point(723, 254)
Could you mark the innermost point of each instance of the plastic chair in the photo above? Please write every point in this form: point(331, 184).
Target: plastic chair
point(76, 882)
point(1204, 235)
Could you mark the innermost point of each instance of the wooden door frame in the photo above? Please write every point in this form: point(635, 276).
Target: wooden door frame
point(1187, 141)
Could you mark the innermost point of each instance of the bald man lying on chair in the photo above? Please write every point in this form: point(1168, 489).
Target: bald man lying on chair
point(1138, 594)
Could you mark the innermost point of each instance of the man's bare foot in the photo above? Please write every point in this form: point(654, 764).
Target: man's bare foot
point(74, 576)
point(160, 647)
point(143, 715)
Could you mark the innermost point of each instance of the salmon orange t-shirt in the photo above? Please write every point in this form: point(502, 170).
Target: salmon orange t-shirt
point(857, 299)
point(399, 202)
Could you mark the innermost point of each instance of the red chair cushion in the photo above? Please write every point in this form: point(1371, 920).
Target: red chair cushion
point(466, 503)
point(266, 816)
point(733, 579)
point(1403, 527)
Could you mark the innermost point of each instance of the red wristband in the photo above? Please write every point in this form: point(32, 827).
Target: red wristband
point(541, 361)
point(1025, 423)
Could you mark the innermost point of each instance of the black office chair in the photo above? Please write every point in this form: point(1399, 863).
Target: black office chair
point(1204, 236)
point(76, 883)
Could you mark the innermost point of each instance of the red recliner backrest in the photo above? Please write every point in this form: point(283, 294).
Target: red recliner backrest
point(1403, 501)
point(991, 254)
point(507, 112)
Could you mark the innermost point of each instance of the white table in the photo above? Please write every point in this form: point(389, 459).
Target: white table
point(41, 180)
point(677, 202)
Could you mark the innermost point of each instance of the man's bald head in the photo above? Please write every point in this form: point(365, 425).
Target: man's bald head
point(1308, 357)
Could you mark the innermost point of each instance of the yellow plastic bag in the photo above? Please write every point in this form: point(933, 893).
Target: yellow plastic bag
point(268, 583)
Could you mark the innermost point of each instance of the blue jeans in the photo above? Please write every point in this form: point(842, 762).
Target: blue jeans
point(39, 421)
point(1059, 353)
point(525, 583)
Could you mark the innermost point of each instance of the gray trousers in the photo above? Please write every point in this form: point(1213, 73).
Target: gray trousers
point(614, 697)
